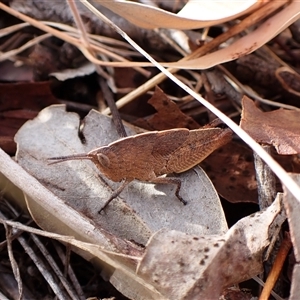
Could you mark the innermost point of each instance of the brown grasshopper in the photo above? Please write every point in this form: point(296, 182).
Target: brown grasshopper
point(147, 156)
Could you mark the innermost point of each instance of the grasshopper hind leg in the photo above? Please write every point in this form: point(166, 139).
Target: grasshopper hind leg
point(171, 180)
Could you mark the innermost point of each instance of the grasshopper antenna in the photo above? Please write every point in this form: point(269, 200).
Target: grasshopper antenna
point(59, 159)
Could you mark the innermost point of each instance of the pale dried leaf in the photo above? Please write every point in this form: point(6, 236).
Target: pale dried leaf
point(295, 288)
point(195, 14)
point(85, 69)
point(218, 10)
point(183, 266)
point(292, 207)
point(246, 44)
point(280, 128)
point(141, 209)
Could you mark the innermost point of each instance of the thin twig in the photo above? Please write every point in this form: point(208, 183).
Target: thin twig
point(106, 92)
point(114, 110)
point(277, 267)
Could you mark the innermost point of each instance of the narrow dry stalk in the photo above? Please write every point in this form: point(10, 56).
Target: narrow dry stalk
point(14, 265)
point(80, 26)
point(277, 267)
point(34, 41)
point(68, 268)
point(42, 267)
point(115, 113)
point(38, 261)
point(63, 281)
point(105, 90)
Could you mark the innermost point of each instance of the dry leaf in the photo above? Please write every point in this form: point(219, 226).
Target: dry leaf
point(182, 266)
point(168, 114)
point(86, 69)
point(247, 44)
point(141, 209)
point(295, 288)
point(218, 10)
point(231, 169)
point(20, 102)
point(292, 207)
point(280, 128)
point(194, 14)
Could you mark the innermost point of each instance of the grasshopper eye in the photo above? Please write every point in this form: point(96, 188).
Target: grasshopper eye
point(103, 160)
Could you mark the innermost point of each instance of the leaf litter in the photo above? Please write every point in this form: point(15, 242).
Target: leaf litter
point(210, 263)
point(61, 179)
point(279, 128)
point(32, 156)
point(145, 208)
